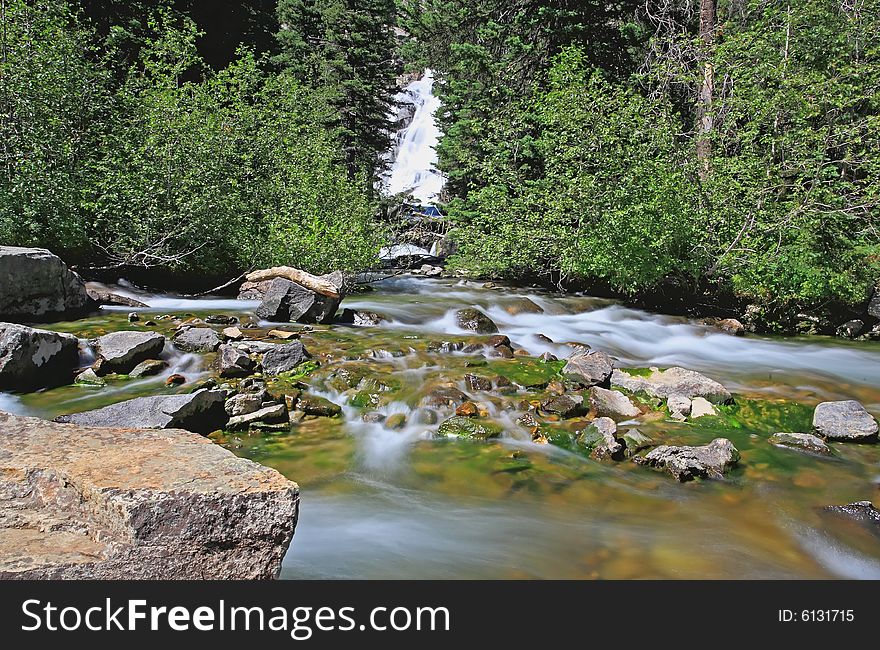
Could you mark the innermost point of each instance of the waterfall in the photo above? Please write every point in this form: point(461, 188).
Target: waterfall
point(414, 159)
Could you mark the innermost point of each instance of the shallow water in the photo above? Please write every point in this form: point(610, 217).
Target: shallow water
point(383, 503)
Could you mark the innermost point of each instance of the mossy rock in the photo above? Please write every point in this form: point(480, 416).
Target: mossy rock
point(316, 405)
point(461, 427)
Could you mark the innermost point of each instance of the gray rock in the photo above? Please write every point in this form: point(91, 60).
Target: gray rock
point(148, 368)
point(361, 318)
point(475, 321)
point(447, 396)
point(600, 438)
point(273, 413)
point(588, 368)
point(851, 329)
point(679, 406)
point(874, 304)
point(253, 290)
point(31, 358)
point(286, 301)
point(663, 383)
point(88, 378)
point(244, 403)
point(81, 503)
point(36, 285)
point(121, 351)
point(845, 420)
point(612, 404)
point(687, 463)
point(197, 339)
point(700, 406)
point(802, 441)
point(200, 412)
point(284, 357)
point(234, 363)
point(565, 406)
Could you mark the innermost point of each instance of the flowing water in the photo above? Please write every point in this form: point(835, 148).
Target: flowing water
point(413, 169)
point(397, 502)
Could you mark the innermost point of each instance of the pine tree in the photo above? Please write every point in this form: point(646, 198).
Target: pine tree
point(345, 48)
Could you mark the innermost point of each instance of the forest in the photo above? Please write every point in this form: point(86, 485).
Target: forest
point(715, 152)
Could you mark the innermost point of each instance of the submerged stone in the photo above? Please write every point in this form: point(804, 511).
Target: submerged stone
point(461, 427)
point(802, 441)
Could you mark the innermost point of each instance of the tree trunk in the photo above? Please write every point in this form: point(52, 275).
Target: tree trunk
point(705, 122)
point(307, 280)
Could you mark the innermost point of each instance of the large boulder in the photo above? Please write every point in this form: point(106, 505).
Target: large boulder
point(83, 503)
point(36, 285)
point(32, 358)
point(674, 381)
point(687, 463)
point(197, 339)
point(201, 412)
point(286, 301)
point(846, 420)
point(121, 352)
point(475, 321)
point(284, 357)
point(588, 368)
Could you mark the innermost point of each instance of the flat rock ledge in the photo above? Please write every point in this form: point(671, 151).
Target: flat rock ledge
point(81, 503)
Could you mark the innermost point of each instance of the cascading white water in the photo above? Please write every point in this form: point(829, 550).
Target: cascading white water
point(413, 169)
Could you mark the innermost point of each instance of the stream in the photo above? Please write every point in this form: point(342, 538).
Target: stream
point(380, 502)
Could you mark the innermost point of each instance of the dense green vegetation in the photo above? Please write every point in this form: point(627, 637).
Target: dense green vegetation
point(726, 151)
point(627, 145)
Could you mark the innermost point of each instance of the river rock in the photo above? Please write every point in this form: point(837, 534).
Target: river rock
point(82, 503)
point(475, 321)
point(197, 339)
point(803, 441)
point(727, 325)
point(253, 290)
point(663, 383)
point(635, 441)
point(232, 334)
point(32, 358)
point(36, 285)
point(447, 396)
point(361, 318)
point(861, 512)
point(845, 420)
point(462, 427)
point(317, 405)
point(600, 439)
point(200, 412)
point(612, 404)
point(565, 406)
point(687, 463)
point(679, 406)
point(244, 403)
point(700, 406)
point(88, 378)
point(523, 306)
point(148, 368)
point(284, 357)
point(477, 383)
point(588, 368)
point(120, 352)
point(851, 329)
point(269, 414)
point(287, 301)
point(233, 362)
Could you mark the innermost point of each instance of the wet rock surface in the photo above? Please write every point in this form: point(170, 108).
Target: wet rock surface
point(197, 339)
point(103, 503)
point(286, 301)
point(801, 441)
point(284, 357)
point(475, 321)
point(588, 368)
